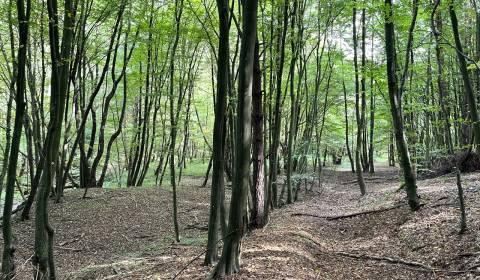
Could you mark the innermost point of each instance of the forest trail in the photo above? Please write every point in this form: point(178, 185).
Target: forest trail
point(126, 234)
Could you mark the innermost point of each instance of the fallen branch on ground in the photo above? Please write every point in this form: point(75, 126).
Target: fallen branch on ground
point(332, 218)
point(386, 179)
point(412, 264)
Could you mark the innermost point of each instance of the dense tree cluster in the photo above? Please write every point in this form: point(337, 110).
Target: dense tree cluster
point(125, 93)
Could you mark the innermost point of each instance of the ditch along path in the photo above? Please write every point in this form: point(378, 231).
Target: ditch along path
point(127, 233)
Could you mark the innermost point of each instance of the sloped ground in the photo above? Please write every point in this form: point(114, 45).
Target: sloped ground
point(126, 234)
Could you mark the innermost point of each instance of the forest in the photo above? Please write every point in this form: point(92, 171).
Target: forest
point(250, 139)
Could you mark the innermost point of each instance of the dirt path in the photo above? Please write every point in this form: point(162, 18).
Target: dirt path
point(126, 234)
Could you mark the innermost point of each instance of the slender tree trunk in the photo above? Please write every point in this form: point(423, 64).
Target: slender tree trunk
point(173, 121)
point(293, 109)
point(396, 102)
point(347, 132)
point(273, 166)
point(358, 149)
point(469, 94)
point(437, 27)
point(257, 188)
point(8, 267)
point(363, 83)
point(218, 157)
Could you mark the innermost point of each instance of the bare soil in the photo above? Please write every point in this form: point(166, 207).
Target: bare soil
point(127, 233)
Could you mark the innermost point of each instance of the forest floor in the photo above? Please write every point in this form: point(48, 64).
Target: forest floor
point(127, 233)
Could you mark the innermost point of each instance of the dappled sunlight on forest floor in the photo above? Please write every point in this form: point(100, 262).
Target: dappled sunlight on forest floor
point(127, 233)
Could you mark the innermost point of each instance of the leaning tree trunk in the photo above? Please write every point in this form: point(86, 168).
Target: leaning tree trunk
point(396, 104)
point(8, 267)
point(230, 260)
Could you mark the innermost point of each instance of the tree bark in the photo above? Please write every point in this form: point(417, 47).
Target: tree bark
point(396, 102)
point(358, 148)
point(257, 188)
point(218, 157)
point(230, 260)
point(469, 94)
point(8, 266)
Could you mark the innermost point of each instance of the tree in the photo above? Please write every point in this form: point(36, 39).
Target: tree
point(173, 118)
point(469, 94)
point(395, 98)
point(358, 110)
point(257, 187)
point(230, 261)
point(218, 157)
point(43, 258)
point(23, 11)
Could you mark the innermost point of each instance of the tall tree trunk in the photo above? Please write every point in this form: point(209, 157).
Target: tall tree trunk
point(173, 121)
point(8, 267)
point(230, 260)
point(347, 132)
point(358, 149)
point(43, 258)
point(293, 109)
point(437, 27)
point(257, 188)
point(396, 100)
point(277, 125)
point(363, 83)
point(469, 94)
point(218, 158)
